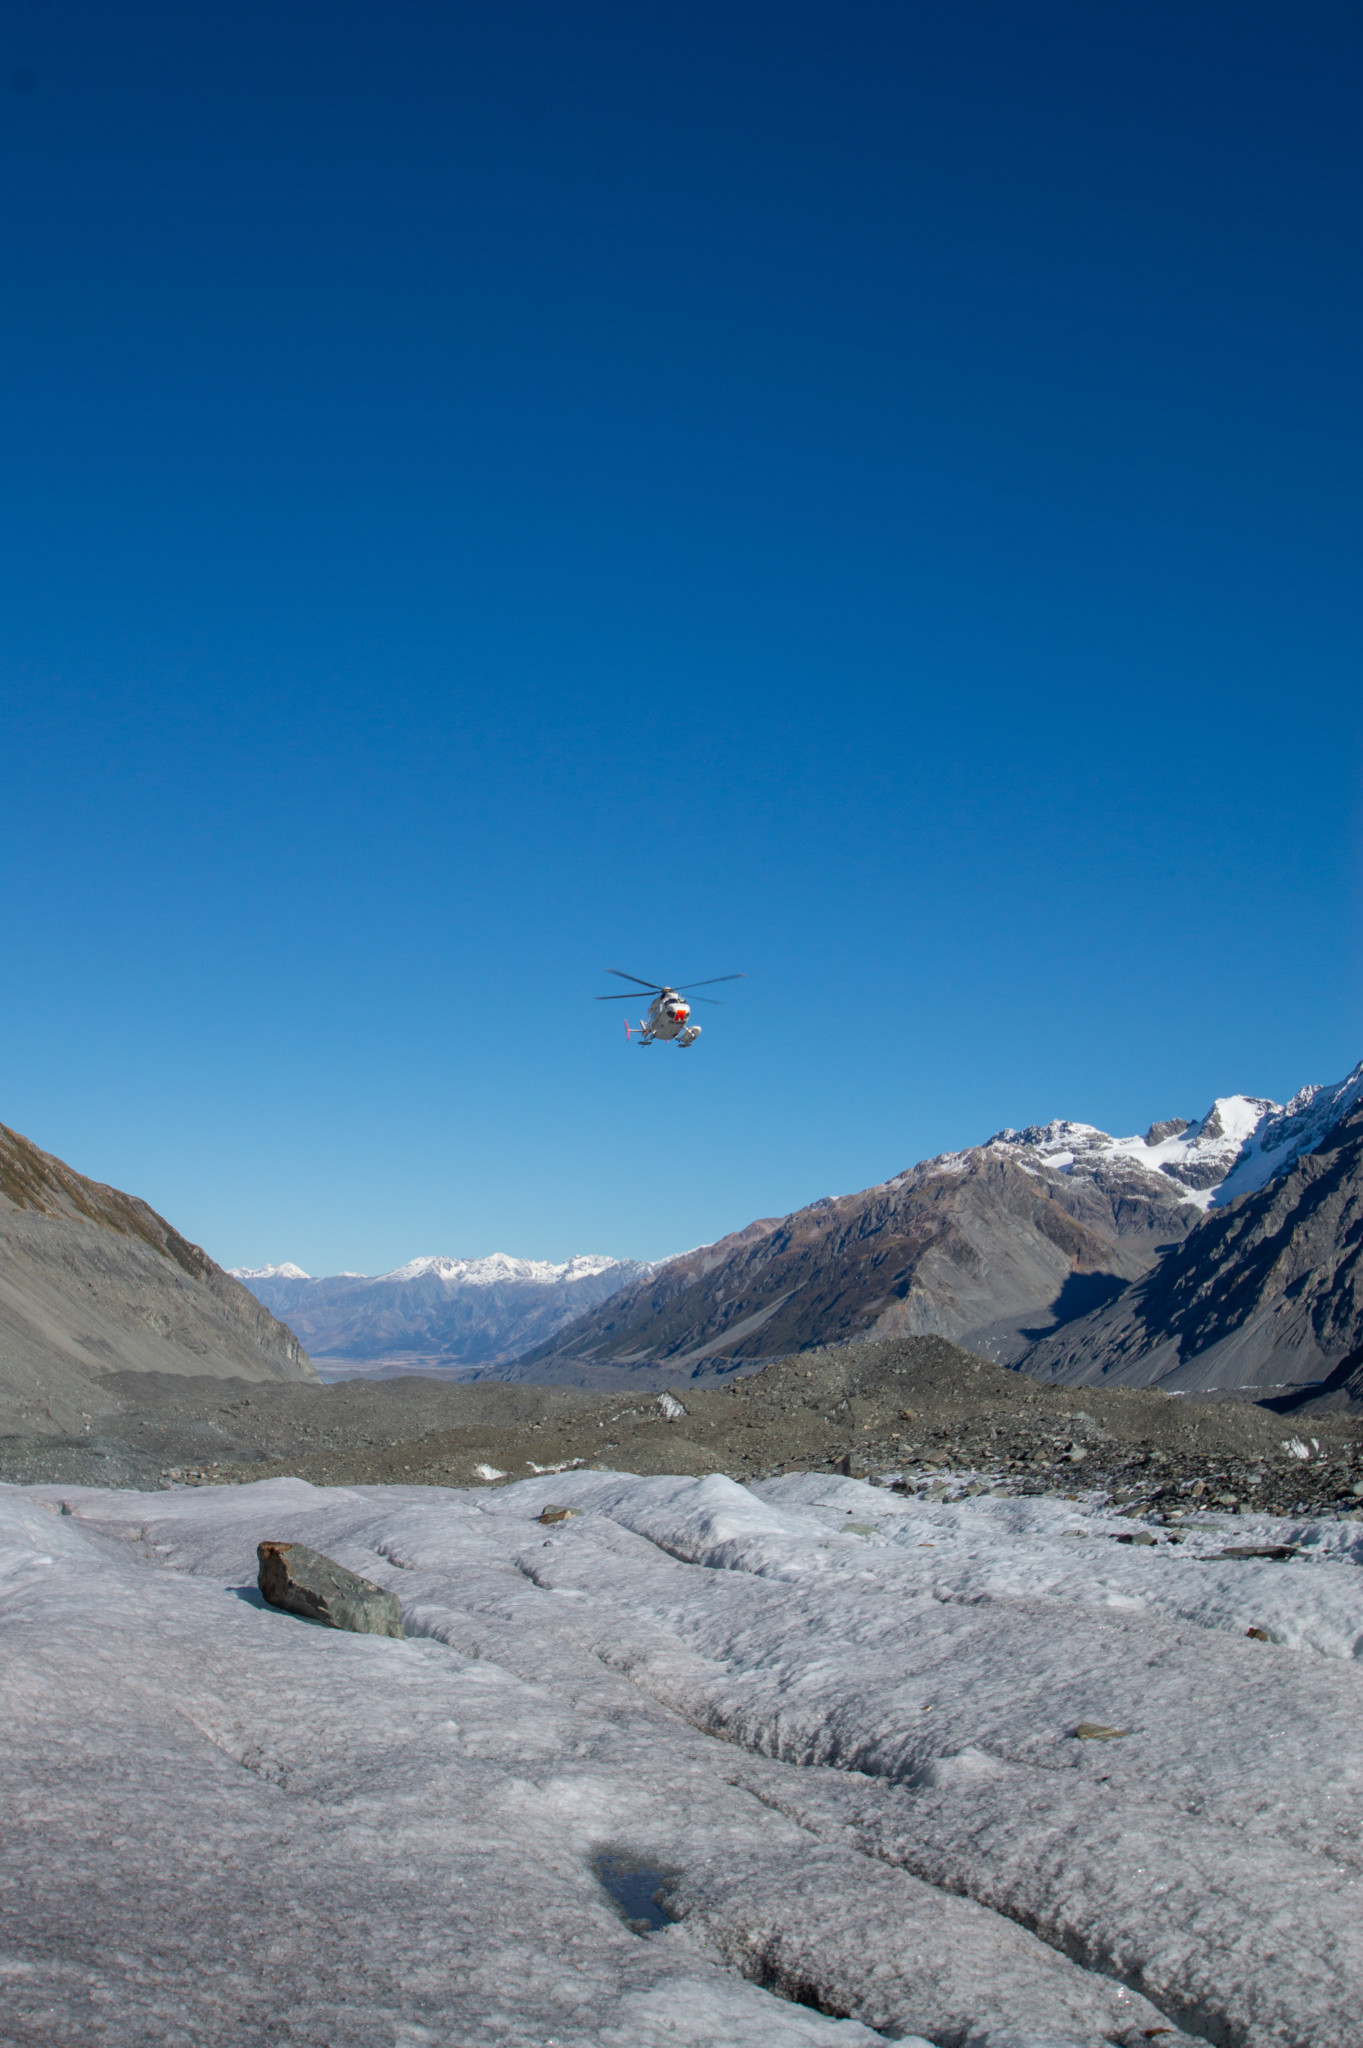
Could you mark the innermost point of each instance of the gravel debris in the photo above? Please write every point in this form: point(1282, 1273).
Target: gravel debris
point(916, 1413)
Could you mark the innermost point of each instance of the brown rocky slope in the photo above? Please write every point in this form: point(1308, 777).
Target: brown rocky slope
point(991, 1247)
point(93, 1282)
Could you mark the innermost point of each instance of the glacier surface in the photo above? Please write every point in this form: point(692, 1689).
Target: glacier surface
point(839, 1724)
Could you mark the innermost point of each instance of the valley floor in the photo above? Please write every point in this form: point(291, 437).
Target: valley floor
point(919, 1406)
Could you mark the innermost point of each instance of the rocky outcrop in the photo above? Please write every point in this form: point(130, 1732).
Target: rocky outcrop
point(93, 1283)
point(303, 1581)
point(1264, 1297)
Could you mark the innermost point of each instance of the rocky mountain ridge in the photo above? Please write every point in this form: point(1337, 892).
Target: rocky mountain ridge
point(978, 1247)
point(1001, 1247)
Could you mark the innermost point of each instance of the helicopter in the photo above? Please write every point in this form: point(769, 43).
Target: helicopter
point(669, 1010)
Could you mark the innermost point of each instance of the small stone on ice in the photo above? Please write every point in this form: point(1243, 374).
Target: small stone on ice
point(553, 1514)
point(304, 1582)
point(1094, 1731)
point(1259, 1635)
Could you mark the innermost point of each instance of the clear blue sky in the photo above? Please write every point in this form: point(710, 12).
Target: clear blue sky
point(867, 494)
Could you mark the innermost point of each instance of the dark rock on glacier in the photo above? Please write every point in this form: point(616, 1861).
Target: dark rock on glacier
point(304, 1582)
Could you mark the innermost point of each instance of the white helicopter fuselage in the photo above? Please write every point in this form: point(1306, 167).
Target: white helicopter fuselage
point(669, 1013)
point(667, 1019)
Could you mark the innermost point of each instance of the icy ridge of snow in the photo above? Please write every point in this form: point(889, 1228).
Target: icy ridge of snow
point(500, 1267)
point(285, 1272)
point(1242, 1143)
point(1200, 1158)
point(1286, 1134)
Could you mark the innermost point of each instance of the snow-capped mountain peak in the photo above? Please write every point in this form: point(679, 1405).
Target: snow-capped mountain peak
point(1242, 1142)
point(284, 1272)
point(499, 1267)
point(1288, 1133)
point(1199, 1155)
point(438, 1313)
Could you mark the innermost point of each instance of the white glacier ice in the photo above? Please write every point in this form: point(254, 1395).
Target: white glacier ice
point(838, 1722)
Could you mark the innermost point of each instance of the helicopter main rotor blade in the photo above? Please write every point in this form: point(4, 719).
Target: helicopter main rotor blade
point(710, 983)
point(634, 977)
point(627, 996)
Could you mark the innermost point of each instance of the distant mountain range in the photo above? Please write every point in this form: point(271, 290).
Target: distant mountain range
point(1210, 1253)
point(1217, 1254)
point(94, 1283)
point(458, 1318)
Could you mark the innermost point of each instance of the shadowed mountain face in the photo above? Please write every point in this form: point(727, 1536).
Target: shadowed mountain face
point(93, 1281)
point(988, 1247)
point(1265, 1297)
